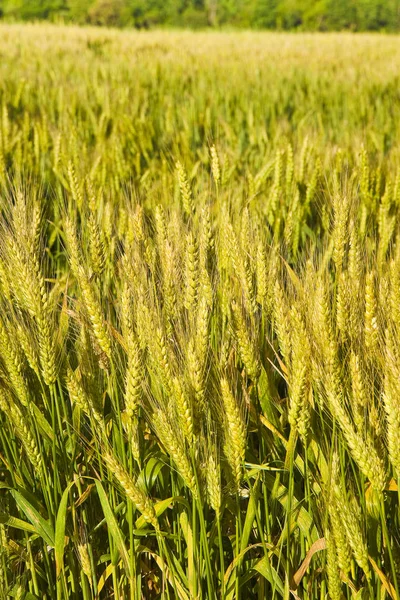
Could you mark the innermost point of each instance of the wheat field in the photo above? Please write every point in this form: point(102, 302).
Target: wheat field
point(200, 315)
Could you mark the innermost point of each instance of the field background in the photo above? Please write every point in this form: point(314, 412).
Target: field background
point(320, 15)
point(199, 314)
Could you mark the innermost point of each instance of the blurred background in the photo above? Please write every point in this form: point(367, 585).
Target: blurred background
point(305, 15)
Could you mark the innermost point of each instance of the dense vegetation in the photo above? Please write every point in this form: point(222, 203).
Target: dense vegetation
point(199, 315)
point(322, 15)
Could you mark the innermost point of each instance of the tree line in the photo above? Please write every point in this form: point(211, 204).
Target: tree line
point(311, 15)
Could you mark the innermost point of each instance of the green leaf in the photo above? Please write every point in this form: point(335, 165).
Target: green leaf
point(250, 516)
point(42, 527)
point(16, 523)
point(60, 531)
point(265, 568)
point(16, 591)
point(120, 507)
point(301, 517)
point(265, 395)
point(150, 472)
point(105, 575)
point(43, 423)
point(112, 524)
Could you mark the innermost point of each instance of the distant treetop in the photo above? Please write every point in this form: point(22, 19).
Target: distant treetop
point(310, 15)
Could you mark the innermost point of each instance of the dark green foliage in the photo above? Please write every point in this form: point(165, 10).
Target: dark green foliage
point(309, 15)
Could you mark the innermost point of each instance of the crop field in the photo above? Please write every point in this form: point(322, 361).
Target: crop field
point(199, 315)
